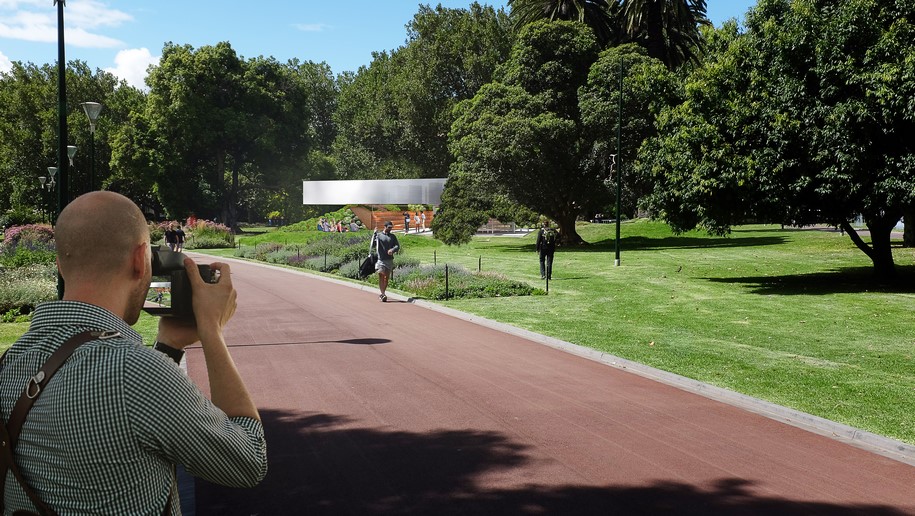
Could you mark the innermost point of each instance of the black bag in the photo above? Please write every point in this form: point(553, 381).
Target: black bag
point(367, 267)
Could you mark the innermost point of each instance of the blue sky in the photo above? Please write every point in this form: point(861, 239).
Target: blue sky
point(125, 36)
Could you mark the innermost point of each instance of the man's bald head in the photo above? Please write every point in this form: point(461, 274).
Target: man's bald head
point(96, 234)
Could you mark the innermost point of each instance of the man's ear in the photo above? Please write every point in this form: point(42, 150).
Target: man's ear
point(140, 261)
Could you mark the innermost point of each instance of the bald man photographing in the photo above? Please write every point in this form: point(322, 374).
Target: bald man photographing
point(107, 429)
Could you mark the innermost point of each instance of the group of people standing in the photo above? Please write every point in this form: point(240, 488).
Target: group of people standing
point(336, 226)
point(419, 221)
point(174, 237)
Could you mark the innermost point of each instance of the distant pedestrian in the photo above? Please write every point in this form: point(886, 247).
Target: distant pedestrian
point(406, 222)
point(179, 238)
point(386, 244)
point(422, 220)
point(416, 221)
point(171, 237)
point(546, 246)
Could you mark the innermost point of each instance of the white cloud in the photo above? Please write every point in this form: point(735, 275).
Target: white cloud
point(5, 63)
point(311, 27)
point(31, 20)
point(132, 64)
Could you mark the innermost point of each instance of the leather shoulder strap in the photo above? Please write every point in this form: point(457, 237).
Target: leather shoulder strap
point(9, 431)
point(37, 383)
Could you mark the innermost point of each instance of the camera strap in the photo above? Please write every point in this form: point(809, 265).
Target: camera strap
point(10, 430)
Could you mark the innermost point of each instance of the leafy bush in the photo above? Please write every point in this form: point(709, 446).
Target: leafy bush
point(33, 236)
point(209, 242)
point(19, 217)
point(349, 269)
point(23, 288)
point(157, 231)
point(206, 234)
point(14, 315)
point(23, 256)
point(26, 245)
point(428, 281)
point(342, 254)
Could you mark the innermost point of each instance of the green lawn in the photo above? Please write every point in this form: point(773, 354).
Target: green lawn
point(791, 316)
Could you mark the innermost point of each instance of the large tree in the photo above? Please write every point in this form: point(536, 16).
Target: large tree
point(523, 136)
point(668, 29)
point(603, 16)
point(28, 122)
point(648, 88)
point(222, 125)
point(804, 119)
point(394, 115)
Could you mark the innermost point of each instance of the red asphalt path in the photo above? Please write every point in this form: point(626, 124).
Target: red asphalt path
point(377, 408)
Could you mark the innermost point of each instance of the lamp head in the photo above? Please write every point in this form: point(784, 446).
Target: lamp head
point(92, 110)
point(71, 151)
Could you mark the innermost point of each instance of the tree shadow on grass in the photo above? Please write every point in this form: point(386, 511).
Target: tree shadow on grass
point(640, 243)
point(840, 281)
point(321, 465)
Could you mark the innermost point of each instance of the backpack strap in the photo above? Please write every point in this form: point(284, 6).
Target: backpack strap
point(9, 431)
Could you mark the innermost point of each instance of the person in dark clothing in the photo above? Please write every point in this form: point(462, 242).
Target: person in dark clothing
point(179, 238)
point(171, 237)
point(546, 246)
point(406, 222)
point(386, 245)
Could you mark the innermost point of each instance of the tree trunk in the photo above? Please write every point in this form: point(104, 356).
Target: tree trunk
point(567, 233)
point(231, 207)
point(908, 219)
point(219, 183)
point(880, 252)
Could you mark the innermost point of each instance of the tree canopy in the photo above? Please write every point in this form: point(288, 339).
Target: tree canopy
point(394, 115)
point(804, 119)
point(522, 136)
point(231, 125)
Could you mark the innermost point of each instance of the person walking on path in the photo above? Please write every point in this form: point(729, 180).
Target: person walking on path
point(546, 246)
point(387, 245)
point(406, 222)
point(171, 237)
point(106, 433)
point(422, 220)
point(179, 238)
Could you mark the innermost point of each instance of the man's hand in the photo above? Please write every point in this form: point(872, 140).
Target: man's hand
point(214, 303)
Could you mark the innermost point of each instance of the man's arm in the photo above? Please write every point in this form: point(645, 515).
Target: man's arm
point(214, 305)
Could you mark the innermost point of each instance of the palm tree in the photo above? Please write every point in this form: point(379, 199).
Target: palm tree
point(601, 15)
point(668, 29)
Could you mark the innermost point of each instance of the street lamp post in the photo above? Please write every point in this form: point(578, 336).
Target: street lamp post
point(619, 172)
point(47, 183)
point(62, 190)
point(92, 110)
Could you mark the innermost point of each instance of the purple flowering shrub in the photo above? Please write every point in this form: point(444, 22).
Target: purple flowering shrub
point(30, 236)
point(206, 234)
point(28, 244)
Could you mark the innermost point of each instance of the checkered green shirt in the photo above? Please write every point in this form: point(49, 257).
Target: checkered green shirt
point(105, 434)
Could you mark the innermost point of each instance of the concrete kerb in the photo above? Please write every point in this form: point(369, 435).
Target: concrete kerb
point(863, 439)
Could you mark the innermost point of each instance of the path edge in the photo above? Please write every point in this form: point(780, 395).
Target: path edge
point(875, 443)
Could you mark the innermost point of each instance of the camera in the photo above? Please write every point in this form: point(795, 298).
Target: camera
point(169, 293)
